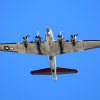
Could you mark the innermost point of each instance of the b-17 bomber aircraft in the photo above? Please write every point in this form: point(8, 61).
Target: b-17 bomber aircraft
point(51, 48)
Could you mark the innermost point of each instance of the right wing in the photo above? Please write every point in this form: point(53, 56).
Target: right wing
point(20, 48)
point(80, 46)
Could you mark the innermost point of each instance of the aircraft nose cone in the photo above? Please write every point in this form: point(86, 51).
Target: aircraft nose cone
point(47, 30)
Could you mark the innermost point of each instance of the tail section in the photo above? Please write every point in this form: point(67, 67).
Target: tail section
point(47, 71)
point(65, 71)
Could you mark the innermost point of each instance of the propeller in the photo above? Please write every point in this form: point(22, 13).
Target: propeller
point(38, 32)
point(37, 36)
point(73, 34)
point(61, 32)
point(77, 34)
point(69, 33)
point(20, 36)
point(60, 36)
point(28, 35)
point(24, 37)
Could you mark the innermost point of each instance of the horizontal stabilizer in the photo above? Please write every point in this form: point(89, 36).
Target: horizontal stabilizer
point(47, 71)
point(65, 71)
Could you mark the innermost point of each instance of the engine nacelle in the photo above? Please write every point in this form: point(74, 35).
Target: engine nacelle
point(38, 38)
point(60, 37)
point(73, 37)
point(25, 39)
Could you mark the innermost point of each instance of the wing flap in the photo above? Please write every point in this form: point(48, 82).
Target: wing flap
point(47, 71)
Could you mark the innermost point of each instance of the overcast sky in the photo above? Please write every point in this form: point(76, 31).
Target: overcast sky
point(28, 16)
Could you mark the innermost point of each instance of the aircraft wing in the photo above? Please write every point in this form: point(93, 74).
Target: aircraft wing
point(80, 46)
point(20, 48)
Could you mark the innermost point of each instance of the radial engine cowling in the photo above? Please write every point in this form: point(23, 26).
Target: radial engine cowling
point(60, 37)
point(37, 38)
point(73, 37)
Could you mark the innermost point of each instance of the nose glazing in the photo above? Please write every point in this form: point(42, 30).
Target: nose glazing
point(47, 30)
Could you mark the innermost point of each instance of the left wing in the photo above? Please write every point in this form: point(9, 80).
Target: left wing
point(79, 46)
point(20, 48)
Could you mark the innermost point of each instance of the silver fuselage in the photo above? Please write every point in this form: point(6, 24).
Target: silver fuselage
point(52, 59)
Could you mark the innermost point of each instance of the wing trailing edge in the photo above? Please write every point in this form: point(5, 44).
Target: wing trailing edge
point(47, 71)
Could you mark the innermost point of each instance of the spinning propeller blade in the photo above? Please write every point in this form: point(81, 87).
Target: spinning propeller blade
point(69, 33)
point(24, 36)
point(73, 34)
point(61, 32)
point(28, 35)
point(77, 34)
point(38, 32)
point(20, 36)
